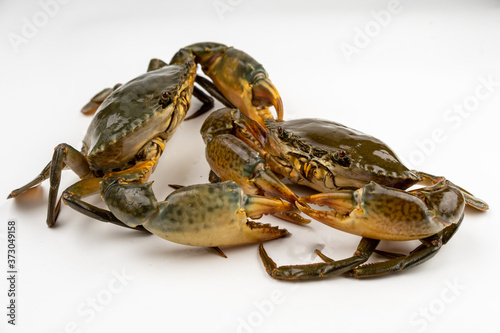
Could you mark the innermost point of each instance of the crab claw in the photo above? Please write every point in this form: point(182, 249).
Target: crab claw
point(231, 159)
point(241, 79)
point(384, 213)
point(214, 215)
point(265, 94)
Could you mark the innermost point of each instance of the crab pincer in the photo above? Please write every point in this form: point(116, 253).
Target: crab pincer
point(240, 78)
point(209, 215)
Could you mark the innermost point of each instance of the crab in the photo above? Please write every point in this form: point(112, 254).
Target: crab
point(127, 136)
point(358, 176)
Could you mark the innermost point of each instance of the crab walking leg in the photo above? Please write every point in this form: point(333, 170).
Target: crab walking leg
point(470, 199)
point(73, 195)
point(137, 174)
point(212, 89)
point(44, 174)
point(91, 107)
point(63, 155)
point(429, 248)
point(209, 215)
point(319, 270)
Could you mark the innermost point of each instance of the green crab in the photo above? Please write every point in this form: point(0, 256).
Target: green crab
point(360, 178)
point(127, 137)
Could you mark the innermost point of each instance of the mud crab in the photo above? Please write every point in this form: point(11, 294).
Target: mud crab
point(127, 136)
point(359, 177)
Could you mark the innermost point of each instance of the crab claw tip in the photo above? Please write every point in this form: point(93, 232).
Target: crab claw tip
point(266, 94)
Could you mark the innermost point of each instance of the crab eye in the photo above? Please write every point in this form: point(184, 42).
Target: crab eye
point(165, 95)
point(341, 158)
point(165, 98)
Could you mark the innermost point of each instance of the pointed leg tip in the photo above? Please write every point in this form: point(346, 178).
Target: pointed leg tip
point(176, 186)
point(269, 264)
point(218, 251)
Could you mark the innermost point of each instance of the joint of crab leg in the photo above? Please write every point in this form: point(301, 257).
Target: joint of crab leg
point(131, 203)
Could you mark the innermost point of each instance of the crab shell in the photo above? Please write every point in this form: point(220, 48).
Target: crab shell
point(150, 105)
point(328, 156)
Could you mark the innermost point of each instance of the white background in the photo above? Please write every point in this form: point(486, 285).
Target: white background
point(409, 69)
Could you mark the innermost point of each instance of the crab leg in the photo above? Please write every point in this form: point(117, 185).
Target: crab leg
point(431, 214)
point(319, 270)
point(470, 199)
point(429, 248)
point(73, 195)
point(64, 155)
point(44, 174)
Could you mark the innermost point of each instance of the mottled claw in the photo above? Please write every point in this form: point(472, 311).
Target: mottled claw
point(384, 213)
point(209, 215)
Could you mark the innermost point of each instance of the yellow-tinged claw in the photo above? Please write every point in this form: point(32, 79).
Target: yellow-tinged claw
point(265, 94)
point(240, 78)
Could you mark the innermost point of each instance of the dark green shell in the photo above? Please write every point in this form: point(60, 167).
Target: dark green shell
point(132, 115)
point(357, 156)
